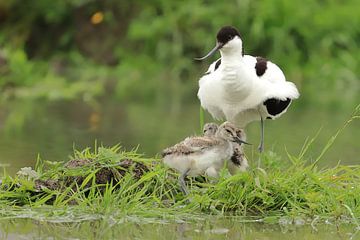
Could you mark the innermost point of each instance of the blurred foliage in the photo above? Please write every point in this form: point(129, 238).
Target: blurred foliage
point(144, 50)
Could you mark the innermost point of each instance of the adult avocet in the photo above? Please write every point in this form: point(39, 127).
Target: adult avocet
point(242, 88)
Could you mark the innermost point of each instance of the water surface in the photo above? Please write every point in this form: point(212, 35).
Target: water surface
point(53, 130)
point(217, 228)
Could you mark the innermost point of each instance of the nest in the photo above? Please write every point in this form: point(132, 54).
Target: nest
point(103, 175)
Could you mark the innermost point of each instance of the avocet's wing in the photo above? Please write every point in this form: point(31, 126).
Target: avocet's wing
point(191, 145)
point(200, 143)
point(213, 67)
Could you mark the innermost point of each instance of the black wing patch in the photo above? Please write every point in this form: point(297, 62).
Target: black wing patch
point(275, 106)
point(260, 66)
point(217, 64)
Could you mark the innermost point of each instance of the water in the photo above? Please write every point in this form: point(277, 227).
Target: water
point(218, 228)
point(53, 130)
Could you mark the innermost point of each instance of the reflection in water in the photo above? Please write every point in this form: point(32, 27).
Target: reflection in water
point(220, 228)
point(53, 129)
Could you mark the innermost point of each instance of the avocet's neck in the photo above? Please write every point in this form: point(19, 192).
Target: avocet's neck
point(227, 58)
point(232, 51)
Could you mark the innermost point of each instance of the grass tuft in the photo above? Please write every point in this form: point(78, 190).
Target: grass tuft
point(112, 181)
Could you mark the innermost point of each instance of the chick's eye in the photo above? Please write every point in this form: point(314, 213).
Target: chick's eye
point(227, 130)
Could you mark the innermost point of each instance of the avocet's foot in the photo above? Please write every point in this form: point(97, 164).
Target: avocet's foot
point(261, 147)
point(182, 183)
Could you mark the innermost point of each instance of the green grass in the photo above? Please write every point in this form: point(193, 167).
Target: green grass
point(293, 188)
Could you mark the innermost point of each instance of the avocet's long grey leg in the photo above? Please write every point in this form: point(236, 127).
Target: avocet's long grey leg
point(182, 182)
point(261, 146)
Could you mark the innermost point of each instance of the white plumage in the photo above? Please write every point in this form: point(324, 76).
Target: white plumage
point(242, 88)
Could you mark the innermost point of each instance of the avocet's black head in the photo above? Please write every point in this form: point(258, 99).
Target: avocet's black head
point(225, 35)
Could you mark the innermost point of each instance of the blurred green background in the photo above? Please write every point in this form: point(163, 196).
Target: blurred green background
point(116, 71)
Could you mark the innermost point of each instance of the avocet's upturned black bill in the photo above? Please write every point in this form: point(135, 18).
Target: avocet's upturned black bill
point(224, 35)
point(242, 88)
point(217, 47)
point(240, 141)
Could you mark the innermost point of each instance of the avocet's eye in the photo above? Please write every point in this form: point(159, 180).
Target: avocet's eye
point(227, 130)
